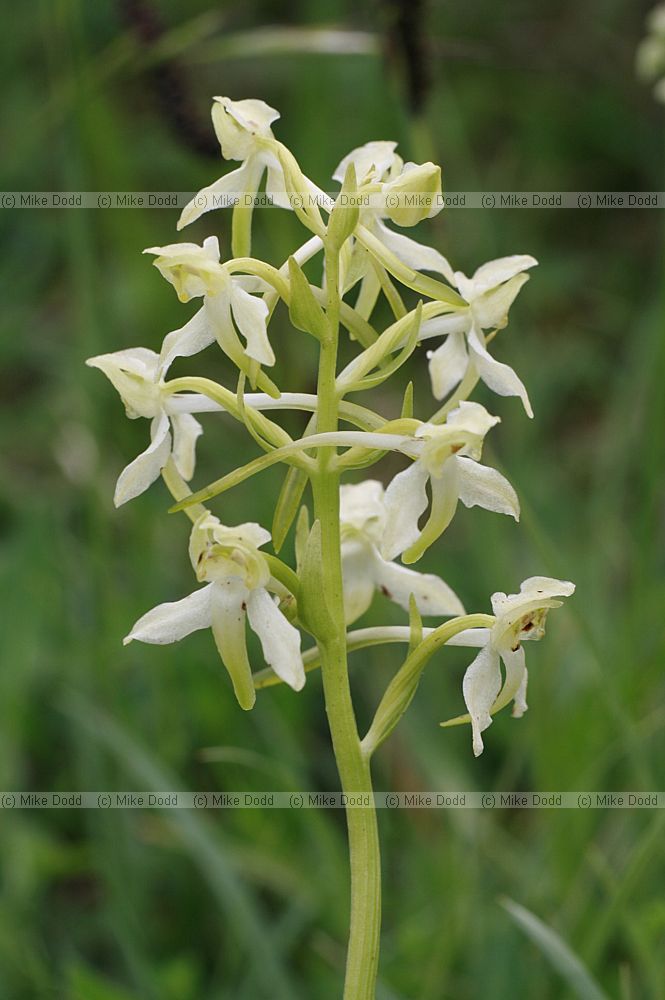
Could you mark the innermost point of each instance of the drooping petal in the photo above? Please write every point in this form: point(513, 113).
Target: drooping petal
point(499, 377)
point(186, 429)
point(445, 494)
point(495, 272)
point(432, 595)
point(145, 469)
point(519, 705)
point(208, 198)
point(480, 486)
point(191, 338)
point(481, 685)
point(448, 364)
point(405, 501)
point(413, 254)
point(458, 321)
point(357, 578)
point(250, 314)
point(514, 662)
point(491, 309)
point(228, 601)
point(280, 640)
point(173, 621)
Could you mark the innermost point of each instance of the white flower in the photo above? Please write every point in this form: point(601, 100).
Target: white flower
point(389, 179)
point(195, 272)
point(489, 294)
point(447, 456)
point(244, 133)
point(137, 374)
point(519, 617)
point(363, 519)
point(238, 581)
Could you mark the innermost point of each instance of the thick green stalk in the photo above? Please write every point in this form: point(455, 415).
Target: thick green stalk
point(353, 765)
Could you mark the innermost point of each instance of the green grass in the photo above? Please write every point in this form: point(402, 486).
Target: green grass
point(178, 906)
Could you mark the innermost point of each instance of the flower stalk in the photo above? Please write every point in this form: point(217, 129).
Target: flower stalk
point(358, 529)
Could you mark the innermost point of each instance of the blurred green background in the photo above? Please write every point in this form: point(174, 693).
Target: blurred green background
point(123, 905)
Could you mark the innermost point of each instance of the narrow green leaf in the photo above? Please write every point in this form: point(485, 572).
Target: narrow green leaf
point(407, 403)
point(305, 312)
point(313, 607)
point(346, 211)
point(559, 954)
point(287, 506)
point(415, 624)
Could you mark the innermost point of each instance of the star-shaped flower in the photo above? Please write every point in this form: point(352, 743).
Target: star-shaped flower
point(519, 617)
point(363, 519)
point(388, 181)
point(138, 375)
point(238, 585)
point(195, 272)
point(244, 132)
point(447, 456)
point(489, 294)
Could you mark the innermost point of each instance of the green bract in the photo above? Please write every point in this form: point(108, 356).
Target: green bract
point(358, 529)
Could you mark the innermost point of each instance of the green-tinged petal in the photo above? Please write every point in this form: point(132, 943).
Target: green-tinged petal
point(280, 640)
point(228, 603)
point(238, 124)
point(480, 486)
point(373, 160)
point(186, 429)
point(491, 309)
point(173, 621)
point(145, 469)
point(405, 501)
point(445, 494)
point(514, 684)
point(250, 314)
point(133, 373)
point(480, 687)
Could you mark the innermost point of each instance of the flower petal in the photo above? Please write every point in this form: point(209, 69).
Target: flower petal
point(448, 364)
point(191, 338)
point(186, 429)
point(495, 272)
point(358, 578)
point(433, 596)
point(280, 641)
point(499, 377)
point(405, 501)
point(491, 308)
point(145, 469)
point(228, 601)
point(207, 198)
point(250, 315)
point(480, 486)
point(481, 685)
point(445, 494)
point(413, 254)
point(514, 662)
point(173, 621)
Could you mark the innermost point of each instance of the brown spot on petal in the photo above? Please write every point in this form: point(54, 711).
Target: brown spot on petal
point(385, 591)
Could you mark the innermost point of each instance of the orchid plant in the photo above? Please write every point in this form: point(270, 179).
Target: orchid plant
point(348, 545)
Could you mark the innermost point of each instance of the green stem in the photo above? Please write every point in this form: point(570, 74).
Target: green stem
point(352, 764)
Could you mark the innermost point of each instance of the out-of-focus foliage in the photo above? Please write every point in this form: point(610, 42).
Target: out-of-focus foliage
point(246, 904)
